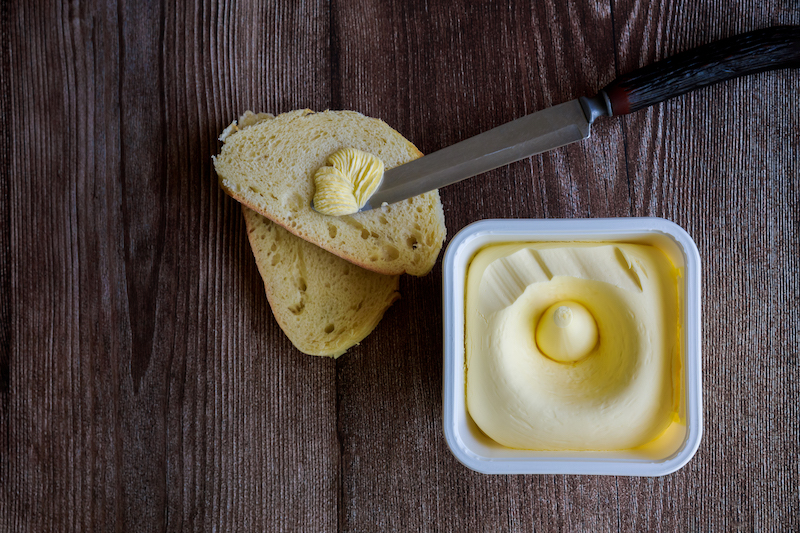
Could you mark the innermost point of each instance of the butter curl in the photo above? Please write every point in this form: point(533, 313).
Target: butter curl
point(348, 180)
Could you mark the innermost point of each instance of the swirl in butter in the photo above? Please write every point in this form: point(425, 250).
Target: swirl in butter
point(572, 346)
point(348, 180)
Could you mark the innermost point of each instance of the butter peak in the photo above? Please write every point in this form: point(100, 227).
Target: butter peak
point(566, 332)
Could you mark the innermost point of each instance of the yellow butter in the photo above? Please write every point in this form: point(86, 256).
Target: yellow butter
point(541, 375)
point(566, 332)
point(344, 185)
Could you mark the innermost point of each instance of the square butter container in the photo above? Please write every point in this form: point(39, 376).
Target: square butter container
point(662, 456)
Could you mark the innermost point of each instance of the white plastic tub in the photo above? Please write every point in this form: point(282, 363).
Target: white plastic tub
point(474, 449)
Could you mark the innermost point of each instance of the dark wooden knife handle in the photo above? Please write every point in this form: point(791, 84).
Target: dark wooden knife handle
point(748, 53)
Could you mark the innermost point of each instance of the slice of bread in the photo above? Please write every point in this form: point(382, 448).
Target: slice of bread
point(323, 303)
point(269, 166)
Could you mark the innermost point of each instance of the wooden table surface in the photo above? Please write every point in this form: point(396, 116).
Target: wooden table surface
point(145, 386)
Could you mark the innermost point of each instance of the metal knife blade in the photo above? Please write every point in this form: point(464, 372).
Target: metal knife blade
point(532, 134)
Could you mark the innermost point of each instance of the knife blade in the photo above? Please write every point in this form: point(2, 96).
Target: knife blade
point(530, 135)
point(748, 53)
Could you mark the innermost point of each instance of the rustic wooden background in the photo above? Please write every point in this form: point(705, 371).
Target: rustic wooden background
point(144, 385)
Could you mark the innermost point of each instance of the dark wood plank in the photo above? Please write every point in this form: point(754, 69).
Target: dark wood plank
point(460, 70)
point(722, 163)
point(6, 266)
point(146, 386)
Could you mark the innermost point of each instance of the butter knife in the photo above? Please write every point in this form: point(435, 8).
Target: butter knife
point(747, 53)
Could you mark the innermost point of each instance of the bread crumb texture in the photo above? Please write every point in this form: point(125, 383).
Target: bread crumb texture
point(268, 164)
point(323, 303)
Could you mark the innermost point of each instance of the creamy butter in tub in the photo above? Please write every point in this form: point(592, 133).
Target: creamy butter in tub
point(572, 346)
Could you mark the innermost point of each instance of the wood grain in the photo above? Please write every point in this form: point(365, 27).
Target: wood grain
point(719, 162)
point(144, 384)
point(150, 388)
